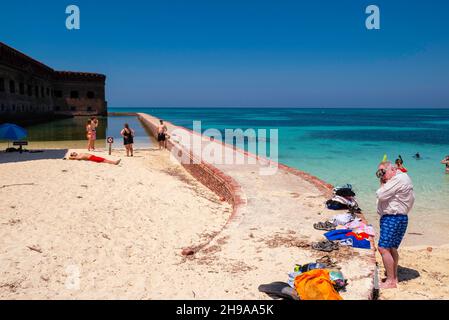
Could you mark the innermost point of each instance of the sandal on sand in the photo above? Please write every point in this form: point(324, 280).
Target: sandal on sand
point(327, 260)
point(327, 226)
point(326, 246)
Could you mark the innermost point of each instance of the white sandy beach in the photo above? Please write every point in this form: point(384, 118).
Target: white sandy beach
point(122, 229)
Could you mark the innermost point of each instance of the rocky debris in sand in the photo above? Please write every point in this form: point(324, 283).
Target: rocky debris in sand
point(294, 194)
point(240, 267)
point(45, 278)
point(211, 249)
point(280, 240)
point(105, 236)
point(222, 240)
point(35, 248)
point(11, 286)
point(187, 252)
point(12, 222)
point(17, 184)
point(429, 249)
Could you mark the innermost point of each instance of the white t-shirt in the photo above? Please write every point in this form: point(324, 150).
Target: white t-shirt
point(396, 196)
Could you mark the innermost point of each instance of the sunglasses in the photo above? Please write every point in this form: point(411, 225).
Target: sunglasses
point(381, 173)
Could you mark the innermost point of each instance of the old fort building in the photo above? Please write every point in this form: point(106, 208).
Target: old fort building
point(31, 90)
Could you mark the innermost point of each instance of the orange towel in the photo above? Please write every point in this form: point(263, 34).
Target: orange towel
point(316, 285)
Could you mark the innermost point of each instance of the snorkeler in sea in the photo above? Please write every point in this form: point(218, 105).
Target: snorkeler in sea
point(446, 162)
point(400, 164)
point(417, 156)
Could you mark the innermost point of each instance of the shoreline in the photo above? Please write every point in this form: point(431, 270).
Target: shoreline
point(245, 211)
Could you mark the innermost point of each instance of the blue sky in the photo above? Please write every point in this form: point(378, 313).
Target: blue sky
point(245, 53)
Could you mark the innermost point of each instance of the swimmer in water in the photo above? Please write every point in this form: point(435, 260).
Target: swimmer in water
point(417, 156)
point(400, 164)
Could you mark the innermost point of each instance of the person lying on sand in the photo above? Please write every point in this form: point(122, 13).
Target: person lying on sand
point(90, 157)
point(395, 199)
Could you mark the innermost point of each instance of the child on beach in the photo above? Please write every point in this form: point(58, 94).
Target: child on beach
point(128, 139)
point(90, 157)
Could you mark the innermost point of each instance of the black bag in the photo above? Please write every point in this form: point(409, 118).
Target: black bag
point(345, 192)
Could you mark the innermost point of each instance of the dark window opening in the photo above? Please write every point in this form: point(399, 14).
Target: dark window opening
point(22, 88)
point(3, 107)
point(2, 85)
point(36, 91)
point(89, 108)
point(90, 95)
point(42, 92)
point(72, 108)
point(12, 86)
point(57, 108)
point(58, 93)
point(48, 92)
point(74, 94)
point(30, 90)
point(13, 107)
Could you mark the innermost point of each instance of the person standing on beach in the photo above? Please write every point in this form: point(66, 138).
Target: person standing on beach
point(128, 139)
point(94, 125)
point(89, 134)
point(395, 199)
point(446, 162)
point(162, 135)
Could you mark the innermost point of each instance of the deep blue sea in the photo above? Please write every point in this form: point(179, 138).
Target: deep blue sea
point(345, 145)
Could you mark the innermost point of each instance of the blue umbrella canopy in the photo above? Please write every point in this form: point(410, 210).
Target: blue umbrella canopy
point(9, 131)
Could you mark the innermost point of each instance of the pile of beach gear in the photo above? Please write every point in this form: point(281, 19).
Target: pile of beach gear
point(344, 229)
point(322, 279)
point(343, 198)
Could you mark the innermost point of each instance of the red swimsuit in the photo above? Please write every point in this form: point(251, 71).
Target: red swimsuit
point(96, 159)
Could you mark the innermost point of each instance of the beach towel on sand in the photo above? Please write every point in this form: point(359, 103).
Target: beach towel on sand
point(316, 285)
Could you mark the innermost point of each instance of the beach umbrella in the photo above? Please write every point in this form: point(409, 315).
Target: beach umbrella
point(9, 131)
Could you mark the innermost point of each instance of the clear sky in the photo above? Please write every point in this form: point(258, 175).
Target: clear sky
point(244, 53)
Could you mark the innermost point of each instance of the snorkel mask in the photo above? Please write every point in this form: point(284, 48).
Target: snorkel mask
point(381, 173)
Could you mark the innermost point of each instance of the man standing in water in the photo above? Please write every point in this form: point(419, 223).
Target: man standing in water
point(162, 135)
point(395, 199)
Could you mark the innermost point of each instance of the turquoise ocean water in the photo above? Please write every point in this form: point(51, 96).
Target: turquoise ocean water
point(345, 145)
